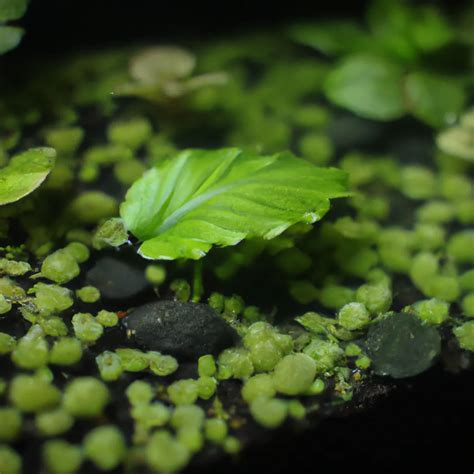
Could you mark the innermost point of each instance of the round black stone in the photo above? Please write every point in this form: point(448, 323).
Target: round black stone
point(401, 345)
point(183, 330)
point(116, 280)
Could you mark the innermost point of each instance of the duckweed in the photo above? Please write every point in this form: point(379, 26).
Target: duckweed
point(418, 182)
point(11, 423)
point(377, 298)
point(461, 246)
point(79, 251)
point(60, 266)
point(61, 457)
point(31, 352)
point(465, 335)
point(85, 397)
point(10, 461)
point(53, 422)
point(131, 133)
point(14, 268)
point(206, 387)
point(206, 365)
point(5, 306)
point(187, 416)
point(92, 206)
point(215, 430)
point(51, 299)
point(66, 351)
point(139, 392)
point(260, 385)
point(294, 374)
point(88, 294)
point(7, 343)
point(164, 453)
point(238, 361)
point(183, 392)
point(109, 365)
point(107, 318)
point(105, 447)
point(432, 311)
point(467, 305)
point(132, 360)
point(325, 353)
point(162, 365)
point(191, 438)
point(111, 233)
point(86, 327)
point(353, 316)
point(269, 412)
point(155, 274)
point(33, 394)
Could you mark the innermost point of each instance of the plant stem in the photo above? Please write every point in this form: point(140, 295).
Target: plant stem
point(198, 287)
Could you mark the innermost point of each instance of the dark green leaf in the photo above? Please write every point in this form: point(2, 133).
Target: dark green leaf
point(331, 37)
point(12, 9)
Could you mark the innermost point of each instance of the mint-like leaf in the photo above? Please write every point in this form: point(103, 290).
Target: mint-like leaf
point(204, 198)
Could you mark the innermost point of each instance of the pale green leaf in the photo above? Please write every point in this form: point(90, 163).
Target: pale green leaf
point(434, 99)
point(10, 37)
point(24, 173)
point(12, 9)
point(204, 198)
point(369, 86)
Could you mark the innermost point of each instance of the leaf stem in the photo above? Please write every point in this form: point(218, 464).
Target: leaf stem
point(198, 287)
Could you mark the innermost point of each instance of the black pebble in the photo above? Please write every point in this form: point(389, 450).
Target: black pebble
point(116, 280)
point(402, 346)
point(183, 330)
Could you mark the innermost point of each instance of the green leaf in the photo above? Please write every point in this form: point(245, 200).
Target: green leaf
point(391, 22)
point(436, 100)
point(204, 198)
point(331, 37)
point(10, 37)
point(368, 85)
point(12, 9)
point(24, 173)
point(406, 30)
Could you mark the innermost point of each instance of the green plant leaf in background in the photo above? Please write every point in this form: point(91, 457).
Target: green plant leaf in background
point(436, 100)
point(24, 173)
point(12, 9)
point(331, 37)
point(10, 37)
point(204, 198)
point(405, 30)
point(368, 85)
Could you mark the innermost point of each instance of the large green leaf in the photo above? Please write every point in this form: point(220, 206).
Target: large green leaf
point(12, 9)
point(368, 85)
point(204, 198)
point(24, 173)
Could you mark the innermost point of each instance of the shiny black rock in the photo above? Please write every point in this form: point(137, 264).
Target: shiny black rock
point(183, 330)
